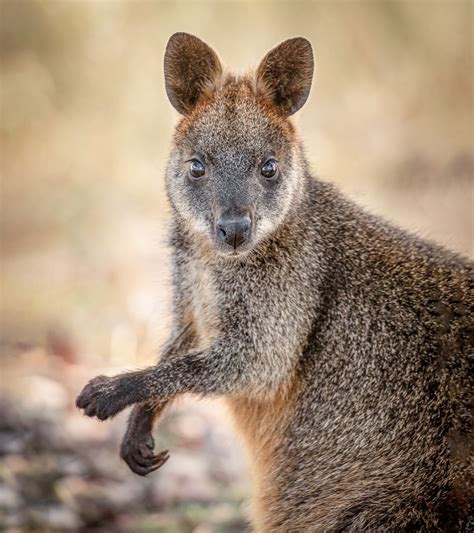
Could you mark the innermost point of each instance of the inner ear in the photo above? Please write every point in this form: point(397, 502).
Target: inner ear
point(191, 68)
point(285, 74)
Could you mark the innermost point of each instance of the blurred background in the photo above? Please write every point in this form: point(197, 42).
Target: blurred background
point(85, 130)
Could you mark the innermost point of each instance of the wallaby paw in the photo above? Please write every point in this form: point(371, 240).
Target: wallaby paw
point(102, 397)
point(138, 453)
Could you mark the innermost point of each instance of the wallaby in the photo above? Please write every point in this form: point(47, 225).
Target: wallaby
point(341, 343)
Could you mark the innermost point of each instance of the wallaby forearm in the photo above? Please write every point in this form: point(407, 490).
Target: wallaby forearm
point(227, 367)
point(213, 372)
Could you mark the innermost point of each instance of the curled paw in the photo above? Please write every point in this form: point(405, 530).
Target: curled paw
point(102, 397)
point(138, 453)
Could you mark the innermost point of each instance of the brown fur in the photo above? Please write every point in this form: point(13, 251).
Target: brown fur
point(262, 423)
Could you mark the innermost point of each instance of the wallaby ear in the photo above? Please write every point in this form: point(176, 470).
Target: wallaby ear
point(285, 74)
point(191, 68)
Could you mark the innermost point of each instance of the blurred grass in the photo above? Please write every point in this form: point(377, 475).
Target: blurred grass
point(85, 130)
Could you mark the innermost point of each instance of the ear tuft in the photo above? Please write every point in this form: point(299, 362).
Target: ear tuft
point(286, 73)
point(191, 68)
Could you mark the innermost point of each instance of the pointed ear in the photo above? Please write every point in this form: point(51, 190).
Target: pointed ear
point(285, 74)
point(191, 68)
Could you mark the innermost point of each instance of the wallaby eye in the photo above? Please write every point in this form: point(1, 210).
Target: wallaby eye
point(269, 169)
point(196, 169)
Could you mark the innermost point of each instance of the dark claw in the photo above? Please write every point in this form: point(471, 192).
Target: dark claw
point(141, 460)
point(157, 462)
point(145, 451)
point(153, 462)
point(139, 456)
point(145, 470)
point(161, 458)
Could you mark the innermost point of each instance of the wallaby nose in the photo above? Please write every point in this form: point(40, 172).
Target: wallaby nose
point(234, 231)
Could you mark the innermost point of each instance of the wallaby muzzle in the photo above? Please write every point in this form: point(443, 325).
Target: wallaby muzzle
point(233, 229)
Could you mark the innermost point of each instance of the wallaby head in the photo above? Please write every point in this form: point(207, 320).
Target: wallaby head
point(236, 162)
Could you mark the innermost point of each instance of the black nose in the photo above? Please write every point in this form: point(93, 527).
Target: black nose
point(234, 231)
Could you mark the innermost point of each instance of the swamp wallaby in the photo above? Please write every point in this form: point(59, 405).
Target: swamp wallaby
point(341, 344)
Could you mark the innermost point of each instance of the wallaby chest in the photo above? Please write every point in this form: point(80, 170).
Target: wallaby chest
point(203, 302)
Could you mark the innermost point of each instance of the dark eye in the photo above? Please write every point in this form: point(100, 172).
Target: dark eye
point(196, 169)
point(269, 169)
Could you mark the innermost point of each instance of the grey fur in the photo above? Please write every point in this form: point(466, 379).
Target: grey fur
point(342, 344)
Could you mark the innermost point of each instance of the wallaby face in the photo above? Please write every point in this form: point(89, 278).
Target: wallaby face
point(236, 161)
